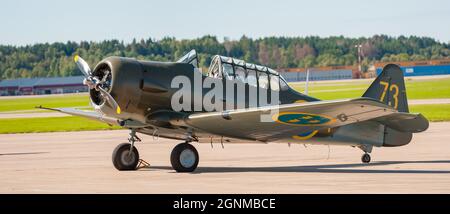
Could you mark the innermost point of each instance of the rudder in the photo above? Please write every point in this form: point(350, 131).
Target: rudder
point(389, 88)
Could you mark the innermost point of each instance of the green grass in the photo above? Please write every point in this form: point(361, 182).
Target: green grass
point(17, 104)
point(51, 124)
point(434, 113)
point(415, 89)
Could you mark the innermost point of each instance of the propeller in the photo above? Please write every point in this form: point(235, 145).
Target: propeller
point(94, 83)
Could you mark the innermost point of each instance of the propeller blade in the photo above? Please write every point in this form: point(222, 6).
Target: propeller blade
point(109, 99)
point(105, 77)
point(83, 66)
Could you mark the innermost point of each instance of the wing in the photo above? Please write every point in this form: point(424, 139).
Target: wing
point(291, 119)
point(93, 115)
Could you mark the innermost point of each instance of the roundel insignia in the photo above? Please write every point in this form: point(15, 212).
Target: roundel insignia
point(302, 119)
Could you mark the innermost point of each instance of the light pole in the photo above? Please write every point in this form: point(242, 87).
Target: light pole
point(307, 81)
point(359, 46)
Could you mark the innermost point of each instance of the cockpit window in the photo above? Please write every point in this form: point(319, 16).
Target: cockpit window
point(214, 69)
point(283, 84)
point(263, 80)
point(240, 74)
point(238, 62)
point(274, 83)
point(251, 78)
point(227, 70)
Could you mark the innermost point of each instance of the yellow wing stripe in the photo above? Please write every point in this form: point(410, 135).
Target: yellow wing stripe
point(305, 137)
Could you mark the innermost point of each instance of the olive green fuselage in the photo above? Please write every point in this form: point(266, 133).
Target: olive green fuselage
point(144, 91)
point(144, 87)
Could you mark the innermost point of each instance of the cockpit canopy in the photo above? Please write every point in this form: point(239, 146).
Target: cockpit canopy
point(254, 75)
point(223, 67)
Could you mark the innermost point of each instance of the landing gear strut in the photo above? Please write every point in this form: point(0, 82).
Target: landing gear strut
point(125, 156)
point(184, 157)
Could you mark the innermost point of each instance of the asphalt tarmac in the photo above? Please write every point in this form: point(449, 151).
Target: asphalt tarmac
point(80, 162)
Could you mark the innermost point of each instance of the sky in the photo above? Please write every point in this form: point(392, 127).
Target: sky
point(29, 22)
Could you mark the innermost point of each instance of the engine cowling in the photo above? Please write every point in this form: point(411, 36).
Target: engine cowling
point(139, 87)
point(122, 77)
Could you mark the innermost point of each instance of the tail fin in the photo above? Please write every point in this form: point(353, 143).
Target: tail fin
point(389, 88)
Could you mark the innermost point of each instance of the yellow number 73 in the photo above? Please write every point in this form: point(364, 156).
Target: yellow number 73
point(393, 88)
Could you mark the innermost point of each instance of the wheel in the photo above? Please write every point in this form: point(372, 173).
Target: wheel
point(365, 158)
point(123, 159)
point(184, 158)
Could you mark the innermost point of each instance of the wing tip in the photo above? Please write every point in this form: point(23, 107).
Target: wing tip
point(46, 108)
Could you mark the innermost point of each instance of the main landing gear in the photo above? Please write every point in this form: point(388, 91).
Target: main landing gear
point(184, 157)
point(125, 156)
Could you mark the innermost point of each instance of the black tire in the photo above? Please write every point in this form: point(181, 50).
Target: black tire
point(365, 158)
point(187, 165)
point(121, 158)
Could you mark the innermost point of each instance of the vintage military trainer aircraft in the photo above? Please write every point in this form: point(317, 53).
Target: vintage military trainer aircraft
point(138, 95)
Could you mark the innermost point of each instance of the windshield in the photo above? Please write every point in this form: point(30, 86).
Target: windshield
point(190, 58)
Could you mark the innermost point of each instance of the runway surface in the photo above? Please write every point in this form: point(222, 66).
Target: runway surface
point(80, 162)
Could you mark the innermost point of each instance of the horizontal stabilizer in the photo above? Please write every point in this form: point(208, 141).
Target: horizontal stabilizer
point(405, 122)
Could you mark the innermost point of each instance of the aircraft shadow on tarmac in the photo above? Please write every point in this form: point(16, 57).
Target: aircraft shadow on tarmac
point(22, 153)
point(335, 168)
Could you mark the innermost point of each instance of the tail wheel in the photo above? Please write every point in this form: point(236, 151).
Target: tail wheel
point(184, 158)
point(365, 158)
point(124, 159)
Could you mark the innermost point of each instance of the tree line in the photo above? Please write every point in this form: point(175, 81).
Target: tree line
point(56, 59)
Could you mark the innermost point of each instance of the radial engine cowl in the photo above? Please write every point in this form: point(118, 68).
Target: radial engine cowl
point(121, 79)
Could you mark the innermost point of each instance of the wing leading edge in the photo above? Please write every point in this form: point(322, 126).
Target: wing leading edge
point(93, 115)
